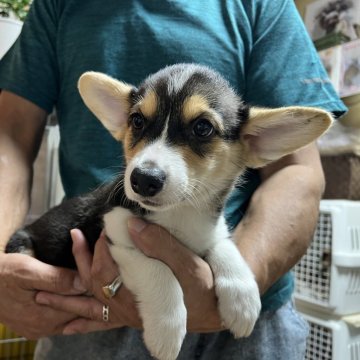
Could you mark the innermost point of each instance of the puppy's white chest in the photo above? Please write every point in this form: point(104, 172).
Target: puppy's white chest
point(197, 231)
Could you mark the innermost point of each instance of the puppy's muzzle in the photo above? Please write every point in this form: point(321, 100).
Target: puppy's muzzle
point(147, 181)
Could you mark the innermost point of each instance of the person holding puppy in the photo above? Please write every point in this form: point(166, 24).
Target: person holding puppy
point(259, 47)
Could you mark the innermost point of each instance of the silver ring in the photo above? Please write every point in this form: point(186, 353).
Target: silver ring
point(105, 313)
point(110, 290)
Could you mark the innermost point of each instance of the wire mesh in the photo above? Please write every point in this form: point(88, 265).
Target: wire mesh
point(312, 273)
point(319, 343)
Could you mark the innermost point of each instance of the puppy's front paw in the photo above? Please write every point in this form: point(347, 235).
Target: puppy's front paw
point(239, 304)
point(164, 335)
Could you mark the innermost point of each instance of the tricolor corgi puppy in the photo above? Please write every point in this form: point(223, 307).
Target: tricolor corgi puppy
point(187, 138)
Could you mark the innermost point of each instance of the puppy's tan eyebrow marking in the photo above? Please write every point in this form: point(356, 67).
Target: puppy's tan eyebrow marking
point(194, 106)
point(148, 104)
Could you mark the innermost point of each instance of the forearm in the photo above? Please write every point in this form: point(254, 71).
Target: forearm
point(21, 127)
point(15, 177)
point(281, 219)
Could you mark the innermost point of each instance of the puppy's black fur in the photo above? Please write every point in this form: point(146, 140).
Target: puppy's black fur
point(84, 212)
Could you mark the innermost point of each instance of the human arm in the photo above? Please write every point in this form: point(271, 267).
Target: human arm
point(278, 225)
point(21, 127)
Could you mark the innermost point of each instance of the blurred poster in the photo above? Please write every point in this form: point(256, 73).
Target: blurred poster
point(332, 22)
point(350, 69)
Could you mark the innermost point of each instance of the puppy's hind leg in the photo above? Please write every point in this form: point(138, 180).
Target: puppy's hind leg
point(20, 242)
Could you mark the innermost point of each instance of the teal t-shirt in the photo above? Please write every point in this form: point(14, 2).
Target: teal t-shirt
point(259, 46)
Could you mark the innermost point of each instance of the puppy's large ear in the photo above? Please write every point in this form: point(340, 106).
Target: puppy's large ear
point(108, 99)
point(271, 134)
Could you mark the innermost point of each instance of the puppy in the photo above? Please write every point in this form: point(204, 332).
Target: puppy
point(187, 137)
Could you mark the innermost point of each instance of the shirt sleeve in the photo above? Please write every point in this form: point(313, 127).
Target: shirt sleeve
point(29, 69)
point(283, 66)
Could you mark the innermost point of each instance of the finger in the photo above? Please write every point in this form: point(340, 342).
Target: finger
point(86, 307)
point(37, 320)
point(102, 253)
point(83, 326)
point(104, 269)
point(82, 255)
point(154, 241)
point(40, 276)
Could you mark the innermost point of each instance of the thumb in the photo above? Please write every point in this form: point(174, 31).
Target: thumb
point(156, 242)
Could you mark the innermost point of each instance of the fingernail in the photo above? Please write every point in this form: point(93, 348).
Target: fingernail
point(136, 224)
point(74, 233)
point(78, 285)
point(41, 299)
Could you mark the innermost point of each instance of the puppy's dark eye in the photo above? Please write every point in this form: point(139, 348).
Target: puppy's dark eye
point(137, 121)
point(203, 128)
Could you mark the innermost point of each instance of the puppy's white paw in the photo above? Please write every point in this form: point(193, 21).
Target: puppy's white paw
point(239, 304)
point(164, 336)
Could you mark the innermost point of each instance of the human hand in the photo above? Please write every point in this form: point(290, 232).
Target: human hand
point(21, 277)
point(193, 273)
point(95, 271)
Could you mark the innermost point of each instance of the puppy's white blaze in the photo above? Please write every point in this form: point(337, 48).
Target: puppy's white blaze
point(171, 162)
point(177, 81)
point(164, 134)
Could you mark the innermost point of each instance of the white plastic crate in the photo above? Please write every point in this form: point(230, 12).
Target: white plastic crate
point(328, 276)
point(9, 30)
point(330, 338)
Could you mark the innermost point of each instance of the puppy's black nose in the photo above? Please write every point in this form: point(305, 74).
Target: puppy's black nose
point(147, 181)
